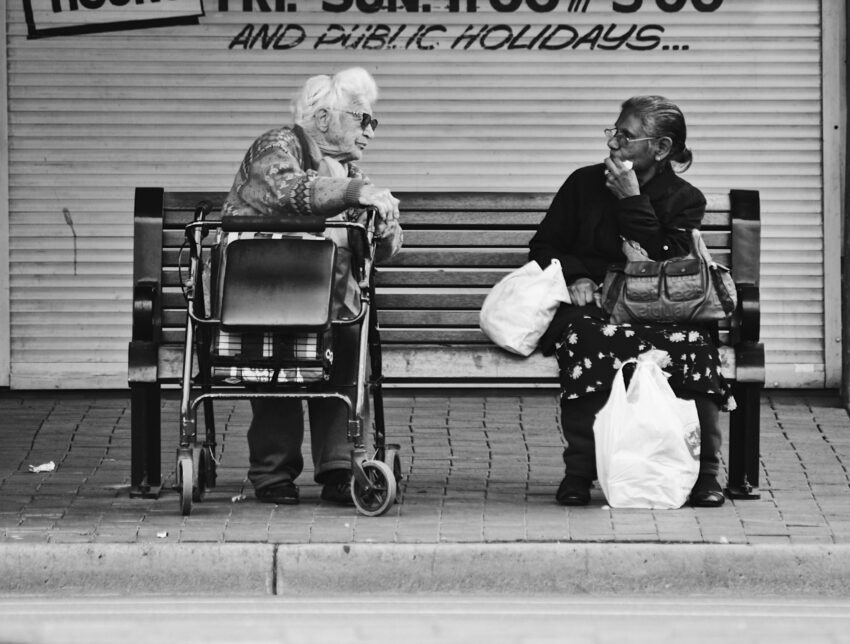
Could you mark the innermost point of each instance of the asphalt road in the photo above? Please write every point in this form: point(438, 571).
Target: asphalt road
point(376, 619)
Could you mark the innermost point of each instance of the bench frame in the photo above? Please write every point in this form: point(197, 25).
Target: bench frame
point(431, 294)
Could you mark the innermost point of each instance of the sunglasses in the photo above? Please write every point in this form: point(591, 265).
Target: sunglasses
point(365, 119)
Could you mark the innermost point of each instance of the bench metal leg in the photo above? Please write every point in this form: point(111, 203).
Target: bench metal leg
point(145, 458)
point(744, 442)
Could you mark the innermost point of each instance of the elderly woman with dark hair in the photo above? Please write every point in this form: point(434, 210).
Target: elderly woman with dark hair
point(309, 169)
point(636, 194)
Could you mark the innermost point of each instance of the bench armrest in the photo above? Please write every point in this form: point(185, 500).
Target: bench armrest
point(146, 325)
point(749, 363)
point(142, 357)
point(749, 313)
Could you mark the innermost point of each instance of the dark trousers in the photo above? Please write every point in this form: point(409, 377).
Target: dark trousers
point(577, 418)
point(277, 427)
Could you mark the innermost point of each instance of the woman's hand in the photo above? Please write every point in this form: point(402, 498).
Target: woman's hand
point(390, 239)
point(621, 179)
point(584, 291)
point(385, 229)
point(381, 200)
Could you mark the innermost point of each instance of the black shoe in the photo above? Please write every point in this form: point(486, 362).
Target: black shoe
point(337, 487)
point(283, 493)
point(573, 490)
point(707, 492)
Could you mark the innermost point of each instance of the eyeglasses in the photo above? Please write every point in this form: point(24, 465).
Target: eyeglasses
point(365, 118)
point(622, 139)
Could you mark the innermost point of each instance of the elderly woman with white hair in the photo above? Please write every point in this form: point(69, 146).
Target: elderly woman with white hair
point(308, 169)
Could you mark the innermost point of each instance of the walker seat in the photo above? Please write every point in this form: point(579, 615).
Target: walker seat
point(274, 301)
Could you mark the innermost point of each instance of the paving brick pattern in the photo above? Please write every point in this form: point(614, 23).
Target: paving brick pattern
point(475, 470)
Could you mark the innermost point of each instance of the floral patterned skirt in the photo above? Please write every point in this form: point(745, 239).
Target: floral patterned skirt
point(591, 350)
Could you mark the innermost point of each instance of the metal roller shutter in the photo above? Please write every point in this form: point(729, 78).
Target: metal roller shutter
point(93, 116)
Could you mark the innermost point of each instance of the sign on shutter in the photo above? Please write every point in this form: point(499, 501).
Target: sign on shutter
point(69, 17)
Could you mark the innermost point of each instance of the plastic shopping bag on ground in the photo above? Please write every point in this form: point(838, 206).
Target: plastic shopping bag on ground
point(521, 306)
point(647, 440)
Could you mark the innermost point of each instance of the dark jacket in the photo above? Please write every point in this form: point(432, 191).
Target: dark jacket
point(585, 221)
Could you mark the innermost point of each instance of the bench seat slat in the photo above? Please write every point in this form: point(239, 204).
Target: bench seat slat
point(483, 363)
point(418, 363)
point(174, 320)
point(470, 334)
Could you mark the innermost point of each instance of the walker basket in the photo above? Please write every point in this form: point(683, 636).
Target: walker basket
point(271, 357)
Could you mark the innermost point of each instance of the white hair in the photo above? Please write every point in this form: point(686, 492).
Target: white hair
point(322, 92)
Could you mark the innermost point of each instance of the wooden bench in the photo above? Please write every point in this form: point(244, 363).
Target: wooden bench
point(457, 245)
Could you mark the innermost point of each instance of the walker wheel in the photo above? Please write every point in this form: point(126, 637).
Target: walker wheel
point(210, 468)
point(381, 496)
point(184, 483)
point(199, 487)
point(393, 461)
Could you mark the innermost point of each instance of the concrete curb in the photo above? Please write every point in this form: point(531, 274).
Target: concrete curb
point(574, 568)
point(240, 569)
point(527, 568)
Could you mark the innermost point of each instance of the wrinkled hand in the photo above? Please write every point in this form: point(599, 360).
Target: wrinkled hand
point(390, 238)
point(385, 228)
point(383, 201)
point(621, 179)
point(584, 291)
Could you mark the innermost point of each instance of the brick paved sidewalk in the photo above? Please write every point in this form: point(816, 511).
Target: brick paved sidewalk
point(476, 470)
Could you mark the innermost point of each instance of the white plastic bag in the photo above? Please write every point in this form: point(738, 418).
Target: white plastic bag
point(647, 440)
point(521, 306)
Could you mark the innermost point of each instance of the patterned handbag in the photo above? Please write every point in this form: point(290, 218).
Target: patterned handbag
point(689, 289)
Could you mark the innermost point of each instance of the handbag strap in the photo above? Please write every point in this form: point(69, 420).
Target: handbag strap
point(700, 248)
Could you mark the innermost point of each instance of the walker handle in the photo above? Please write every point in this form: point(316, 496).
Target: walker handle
point(272, 224)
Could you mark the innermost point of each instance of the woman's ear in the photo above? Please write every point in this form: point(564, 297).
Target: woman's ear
point(322, 118)
point(663, 148)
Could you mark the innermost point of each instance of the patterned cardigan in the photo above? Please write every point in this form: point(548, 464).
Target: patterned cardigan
point(279, 175)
